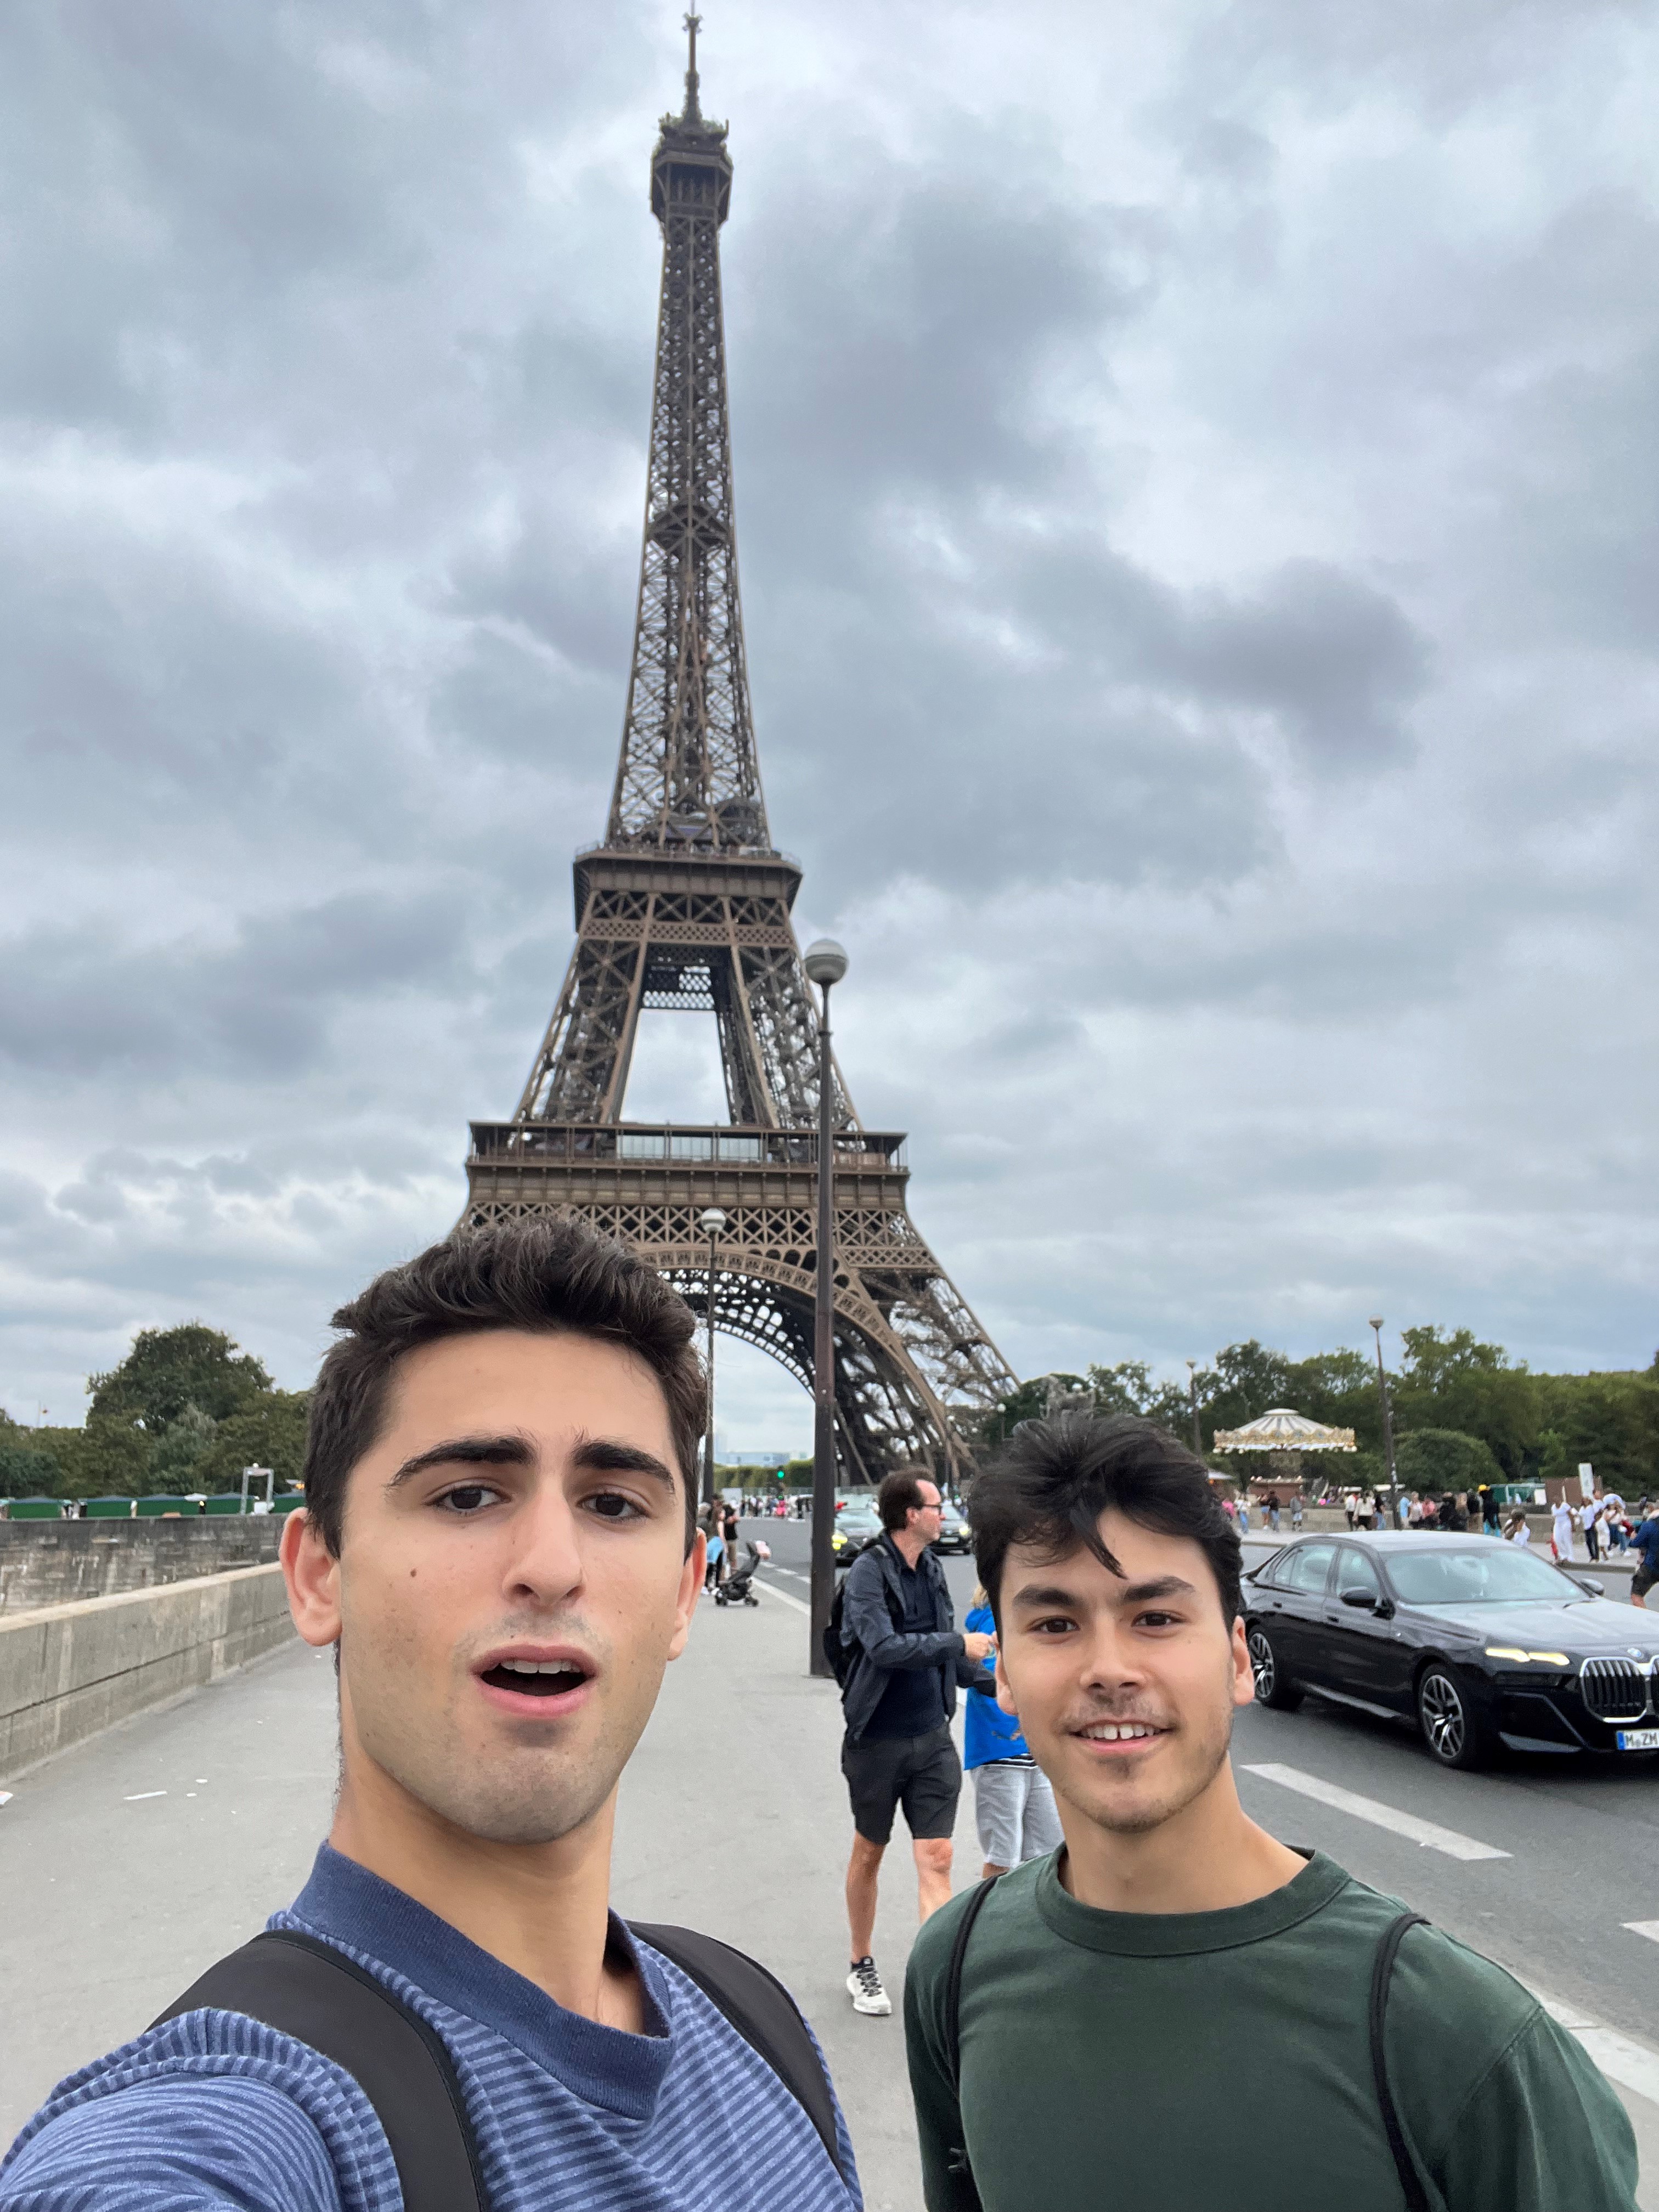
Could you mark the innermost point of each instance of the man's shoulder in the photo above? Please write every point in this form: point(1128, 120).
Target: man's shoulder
point(1004, 1912)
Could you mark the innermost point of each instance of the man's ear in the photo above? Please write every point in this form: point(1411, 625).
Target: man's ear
point(1004, 1687)
point(685, 1605)
point(1243, 1673)
point(313, 1575)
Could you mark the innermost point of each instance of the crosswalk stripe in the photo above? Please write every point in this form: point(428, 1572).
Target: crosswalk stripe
point(787, 1597)
point(1648, 1928)
point(1381, 1816)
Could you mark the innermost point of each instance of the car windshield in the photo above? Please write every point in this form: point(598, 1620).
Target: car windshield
point(1488, 1574)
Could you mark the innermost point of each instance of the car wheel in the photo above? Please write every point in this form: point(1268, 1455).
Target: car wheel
point(1454, 1731)
point(1271, 1686)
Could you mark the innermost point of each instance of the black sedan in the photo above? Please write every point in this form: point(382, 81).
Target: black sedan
point(954, 1535)
point(1475, 1641)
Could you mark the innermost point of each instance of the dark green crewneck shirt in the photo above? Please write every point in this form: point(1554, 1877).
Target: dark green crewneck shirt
point(1220, 2061)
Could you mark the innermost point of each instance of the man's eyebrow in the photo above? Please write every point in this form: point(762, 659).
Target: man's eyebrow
point(1054, 1593)
point(600, 1456)
point(467, 1451)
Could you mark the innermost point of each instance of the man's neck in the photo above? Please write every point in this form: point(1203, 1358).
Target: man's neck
point(1208, 1857)
point(541, 1909)
point(909, 1546)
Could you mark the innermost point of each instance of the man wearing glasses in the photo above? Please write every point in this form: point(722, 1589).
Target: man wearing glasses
point(905, 1656)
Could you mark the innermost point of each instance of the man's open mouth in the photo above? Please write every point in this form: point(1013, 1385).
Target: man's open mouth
point(1127, 1733)
point(536, 1678)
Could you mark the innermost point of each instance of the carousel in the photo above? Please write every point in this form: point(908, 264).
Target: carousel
point(1284, 1436)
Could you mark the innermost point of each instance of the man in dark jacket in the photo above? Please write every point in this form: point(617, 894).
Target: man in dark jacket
point(905, 1658)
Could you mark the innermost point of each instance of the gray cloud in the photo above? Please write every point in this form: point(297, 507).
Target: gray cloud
point(1195, 496)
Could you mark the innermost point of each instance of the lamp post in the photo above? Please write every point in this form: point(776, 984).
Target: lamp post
point(1375, 1325)
point(711, 1221)
point(825, 962)
point(1191, 1399)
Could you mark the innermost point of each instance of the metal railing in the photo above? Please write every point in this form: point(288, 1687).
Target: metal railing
point(580, 1142)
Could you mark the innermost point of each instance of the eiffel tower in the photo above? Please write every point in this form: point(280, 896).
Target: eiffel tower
point(686, 904)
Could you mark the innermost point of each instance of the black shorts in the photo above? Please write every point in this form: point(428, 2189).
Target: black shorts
point(923, 1773)
point(1643, 1581)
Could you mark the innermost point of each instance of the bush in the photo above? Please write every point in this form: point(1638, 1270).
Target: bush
point(25, 1472)
point(1437, 1459)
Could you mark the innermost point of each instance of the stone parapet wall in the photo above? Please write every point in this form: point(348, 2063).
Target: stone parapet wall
point(67, 1671)
point(61, 1562)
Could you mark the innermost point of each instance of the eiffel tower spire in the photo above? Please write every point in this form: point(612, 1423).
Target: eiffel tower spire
point(686, 905)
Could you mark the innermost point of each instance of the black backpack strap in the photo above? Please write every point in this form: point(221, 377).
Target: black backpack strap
point(1411, 2181)
point(305, 1988)
point(967, 2189)
point(766, 2016)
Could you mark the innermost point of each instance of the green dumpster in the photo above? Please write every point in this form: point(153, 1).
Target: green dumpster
point(34, 1508)
point(160, 1508)
point(223, 1501)
point(287, 1501)
point(108, 1509)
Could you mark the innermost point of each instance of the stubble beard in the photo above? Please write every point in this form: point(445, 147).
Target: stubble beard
point(526, 1790)
point(1126, 1815)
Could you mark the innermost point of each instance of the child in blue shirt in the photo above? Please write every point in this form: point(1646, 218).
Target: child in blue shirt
point(1013, 1805)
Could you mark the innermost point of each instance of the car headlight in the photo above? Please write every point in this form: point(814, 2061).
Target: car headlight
point(1514, 1651)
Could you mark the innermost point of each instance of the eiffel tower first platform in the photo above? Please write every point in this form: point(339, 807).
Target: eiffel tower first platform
point(686, 904)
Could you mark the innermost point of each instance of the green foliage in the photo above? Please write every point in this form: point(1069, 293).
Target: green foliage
point(168, 1369)
point(24, 1472)
point(106, 1459)
point(1527, 1426)
point(1437, 1459)
point(269, 1432)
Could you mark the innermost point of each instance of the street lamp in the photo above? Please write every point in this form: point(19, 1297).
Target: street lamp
point(1375, 1325)
point(825, 962)
point(1191, 1399)
point(711, 1221)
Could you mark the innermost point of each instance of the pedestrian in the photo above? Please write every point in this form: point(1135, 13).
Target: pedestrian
point(1272, 1512)
point(1489, 1509)
point(1296, 1514)
point(1516, 1530)
point(1589, 1520)
point(1645, 1545)
point(1351, 1505)
point(1561, 1531)
point(715, 1557)
point(1083, 2037)
point(500, 1546)
point(1402, 1510)
point(1013, 1806)
point(729, 1534)
point(904, 1659)
point(1414, 1511)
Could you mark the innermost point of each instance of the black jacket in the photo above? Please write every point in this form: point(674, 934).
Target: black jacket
point(871, 1602)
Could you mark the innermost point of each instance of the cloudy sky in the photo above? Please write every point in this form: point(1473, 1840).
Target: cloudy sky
point(1196, 484)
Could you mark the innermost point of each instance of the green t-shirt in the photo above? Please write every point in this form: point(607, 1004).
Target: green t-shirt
point(1128, 2062)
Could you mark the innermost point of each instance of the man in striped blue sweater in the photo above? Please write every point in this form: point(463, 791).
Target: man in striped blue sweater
point(500, 1545)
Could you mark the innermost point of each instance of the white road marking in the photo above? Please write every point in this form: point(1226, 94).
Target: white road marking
point(1381, 1816)
point(1632, 2065)
point(5, 1796)
point(1648, 1928)
point(787, 1597)
point(139, 1795)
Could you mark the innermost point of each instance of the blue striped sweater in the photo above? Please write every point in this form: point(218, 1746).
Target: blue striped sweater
point(214, 2111)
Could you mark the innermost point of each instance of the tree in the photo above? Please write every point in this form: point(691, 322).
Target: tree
point(1437, 1459)
point(169, 1369)
point(24, 1472)
point(269, 1432)
point(106, 1459)
point(1453, 1382)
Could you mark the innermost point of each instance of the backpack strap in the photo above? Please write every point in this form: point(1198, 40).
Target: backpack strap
point(967, 2189)
point(766, 2016)
point(1411, 2181)
point(306, 1987)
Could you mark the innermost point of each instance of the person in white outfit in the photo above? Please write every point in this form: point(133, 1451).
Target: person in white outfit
point(1561, 1529)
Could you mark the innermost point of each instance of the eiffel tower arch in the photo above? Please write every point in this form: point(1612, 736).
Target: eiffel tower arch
point(686, 905)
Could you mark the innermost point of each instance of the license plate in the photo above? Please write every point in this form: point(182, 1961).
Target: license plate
point(1638, 1739)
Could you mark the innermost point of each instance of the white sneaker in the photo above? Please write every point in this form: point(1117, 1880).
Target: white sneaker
point(864, 1987)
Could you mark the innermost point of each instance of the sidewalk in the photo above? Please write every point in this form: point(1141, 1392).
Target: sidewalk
point(733, 1819)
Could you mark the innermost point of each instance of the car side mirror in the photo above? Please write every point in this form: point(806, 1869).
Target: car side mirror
point(1586, 1583)
point(1361, 1600)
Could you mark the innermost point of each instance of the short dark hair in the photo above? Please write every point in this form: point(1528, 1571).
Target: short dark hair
point(1055, 1478)
point(551, 1273)
point(897, 1496)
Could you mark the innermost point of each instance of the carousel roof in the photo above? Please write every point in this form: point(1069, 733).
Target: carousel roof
point(1280, 1430)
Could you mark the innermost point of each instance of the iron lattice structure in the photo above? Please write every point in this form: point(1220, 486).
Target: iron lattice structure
point(687, 904)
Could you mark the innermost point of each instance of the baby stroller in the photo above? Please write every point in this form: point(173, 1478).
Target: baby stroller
point(737, 1588)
